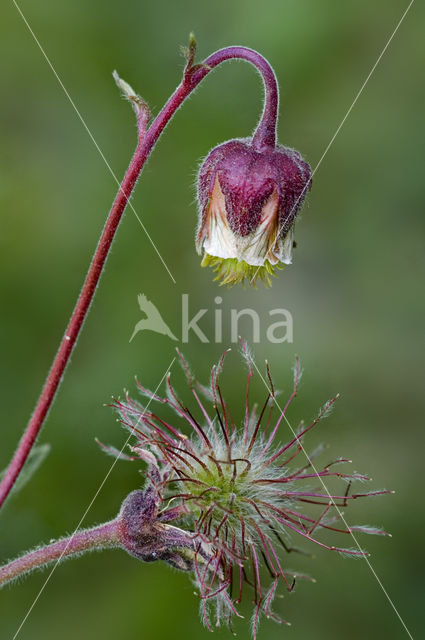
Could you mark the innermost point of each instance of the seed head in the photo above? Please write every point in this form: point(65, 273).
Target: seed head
point(238, 492)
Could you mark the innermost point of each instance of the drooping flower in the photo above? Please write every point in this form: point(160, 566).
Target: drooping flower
point(238, 492)
point(248, 202)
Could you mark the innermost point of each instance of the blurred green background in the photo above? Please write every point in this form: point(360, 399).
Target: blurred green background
point(354, 290)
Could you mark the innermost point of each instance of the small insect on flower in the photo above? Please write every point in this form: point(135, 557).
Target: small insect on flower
point(248, 201)
point(238, 492)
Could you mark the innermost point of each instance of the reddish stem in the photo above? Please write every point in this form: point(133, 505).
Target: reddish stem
point(264, 136)
point(101, 537)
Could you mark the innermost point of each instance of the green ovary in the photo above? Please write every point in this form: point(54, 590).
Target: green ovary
point(227, 494)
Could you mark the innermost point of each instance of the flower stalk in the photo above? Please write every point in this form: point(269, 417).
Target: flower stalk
point(138, 529)
point(264, 137)
point(98, 538)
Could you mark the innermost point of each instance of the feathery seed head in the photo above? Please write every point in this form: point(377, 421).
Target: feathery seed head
point(237, 491)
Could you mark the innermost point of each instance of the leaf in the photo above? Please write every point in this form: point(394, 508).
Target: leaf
point(34, 460)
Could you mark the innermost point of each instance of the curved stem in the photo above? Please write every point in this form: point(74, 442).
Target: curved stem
point(101, 537)
point(264, 136)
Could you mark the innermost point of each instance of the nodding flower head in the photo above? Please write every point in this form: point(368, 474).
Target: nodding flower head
point(248, 202)
point(239, 494)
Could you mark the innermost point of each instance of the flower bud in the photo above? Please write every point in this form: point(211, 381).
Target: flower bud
point(248, 201)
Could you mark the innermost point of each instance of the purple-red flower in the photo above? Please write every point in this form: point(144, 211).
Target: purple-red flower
point(239, 493)
point(248, 202)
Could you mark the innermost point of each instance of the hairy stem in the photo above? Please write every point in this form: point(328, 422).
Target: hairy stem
point(264, 136)
point(101, 537)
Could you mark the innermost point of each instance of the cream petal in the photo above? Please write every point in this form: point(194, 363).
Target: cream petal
point(283, 250)
point(218, 237)
point(260, 245)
